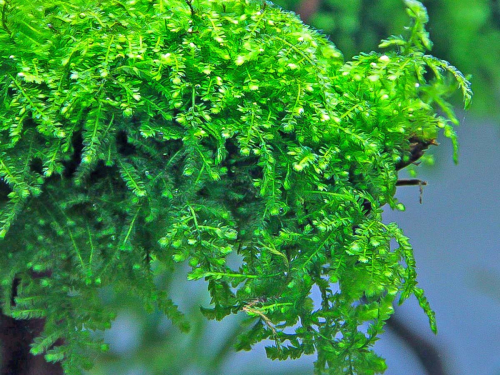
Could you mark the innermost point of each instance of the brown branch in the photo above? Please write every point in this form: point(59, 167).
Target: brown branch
point(417, 150)
point(190, 5)
point(411, 182)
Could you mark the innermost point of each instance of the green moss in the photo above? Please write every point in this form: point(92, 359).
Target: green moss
point(152, 131)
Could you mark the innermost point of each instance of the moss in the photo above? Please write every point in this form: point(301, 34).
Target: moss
point(163, 132)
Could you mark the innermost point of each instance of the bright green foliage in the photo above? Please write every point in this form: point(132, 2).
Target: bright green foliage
point(463, 31)
point(163, 131)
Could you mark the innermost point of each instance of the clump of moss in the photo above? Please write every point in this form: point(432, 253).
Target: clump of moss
point(153, 132)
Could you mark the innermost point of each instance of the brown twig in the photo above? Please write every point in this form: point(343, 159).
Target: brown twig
point(417, 150)
point(251, 310)
point(411, 182)
point(190, 5)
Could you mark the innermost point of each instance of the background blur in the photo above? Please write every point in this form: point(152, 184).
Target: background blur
point(455, 232)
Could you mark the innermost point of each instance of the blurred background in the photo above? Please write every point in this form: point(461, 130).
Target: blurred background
point(455, 231)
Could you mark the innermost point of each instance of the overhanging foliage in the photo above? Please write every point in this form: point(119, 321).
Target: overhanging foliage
point(143, 132)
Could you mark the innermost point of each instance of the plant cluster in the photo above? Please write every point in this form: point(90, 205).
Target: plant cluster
point(465, 32)
point(151, 132)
